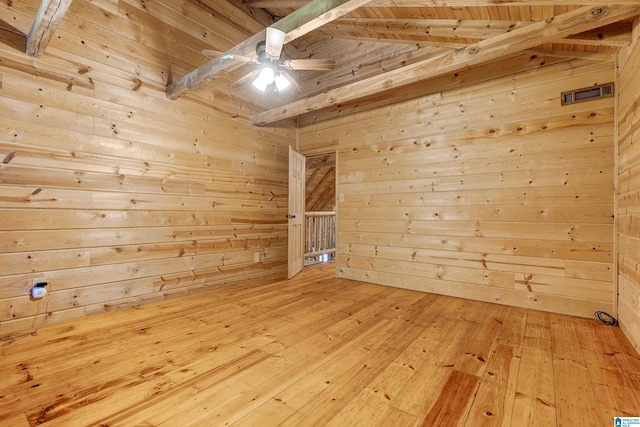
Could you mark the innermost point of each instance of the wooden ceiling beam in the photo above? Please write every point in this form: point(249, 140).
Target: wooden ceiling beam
point(302, 21)
point(452, 28)
point(456, 31)
point(618, 34)
point(605, 57)
point(494, 48)
point(431, 41)
point(45, 24)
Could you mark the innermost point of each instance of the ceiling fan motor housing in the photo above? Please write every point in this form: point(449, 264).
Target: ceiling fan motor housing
point(261, 51)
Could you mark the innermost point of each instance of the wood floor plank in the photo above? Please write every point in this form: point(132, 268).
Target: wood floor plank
point(339, 387)
point(513, 328)
point(88, 408)
point(395, 417)
point(430, 376)
point(311, 388)
point(535, 399)
point(19, 420)
point(375, 402)
point(572, 378)
point(282, 371)
point(189, 396)
point(628, 360)
point(318, 350)
point(454, 400)
point(493, 404)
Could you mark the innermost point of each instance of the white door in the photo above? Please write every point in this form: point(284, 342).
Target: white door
point(297, 169)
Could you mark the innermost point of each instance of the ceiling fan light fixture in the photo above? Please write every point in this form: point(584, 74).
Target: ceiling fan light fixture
point(264, 79)
point(281, 82)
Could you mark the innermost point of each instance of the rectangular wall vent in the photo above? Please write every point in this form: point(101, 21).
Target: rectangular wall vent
point(587, 93)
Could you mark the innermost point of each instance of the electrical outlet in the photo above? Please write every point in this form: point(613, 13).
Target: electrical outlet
point(256, 257)
point(38, 288)
point(341, 197)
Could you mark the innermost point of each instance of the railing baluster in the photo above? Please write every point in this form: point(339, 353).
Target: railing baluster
point(320, 233)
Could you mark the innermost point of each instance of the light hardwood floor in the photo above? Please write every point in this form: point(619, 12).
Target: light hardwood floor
point(320, 351)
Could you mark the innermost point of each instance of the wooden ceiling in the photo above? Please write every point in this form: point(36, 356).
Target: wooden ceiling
point(385, 45)
point(385, 50)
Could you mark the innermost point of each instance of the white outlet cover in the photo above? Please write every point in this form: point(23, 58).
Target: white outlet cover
point(38, 292)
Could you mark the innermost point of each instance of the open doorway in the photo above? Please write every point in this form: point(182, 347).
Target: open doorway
point(320, 208)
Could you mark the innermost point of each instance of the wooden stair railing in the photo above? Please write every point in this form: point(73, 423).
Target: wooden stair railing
point(320, 233)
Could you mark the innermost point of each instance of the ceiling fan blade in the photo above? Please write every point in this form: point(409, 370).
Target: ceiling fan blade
point(274, 42)
point(224, 55)
point(211, 53)
point(310, 64)
point(246, 78)
point(291, 80)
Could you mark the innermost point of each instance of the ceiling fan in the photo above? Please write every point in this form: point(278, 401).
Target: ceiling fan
point(272, 75)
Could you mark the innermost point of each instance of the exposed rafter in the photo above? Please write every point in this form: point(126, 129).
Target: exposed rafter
point(45, 24)
point(297, 24)
point(494, 48)
point(575, 55)
point(418, 27)
point(618, 34)
point(443, 32)
point(440, 42)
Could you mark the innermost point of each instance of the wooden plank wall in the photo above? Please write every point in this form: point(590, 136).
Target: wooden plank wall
point(493, 191)
point(114, 194)
point(629, 190)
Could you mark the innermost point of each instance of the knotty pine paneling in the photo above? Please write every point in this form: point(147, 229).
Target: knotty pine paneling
point(629, 189)
point(116, 195)
point(491, 191)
